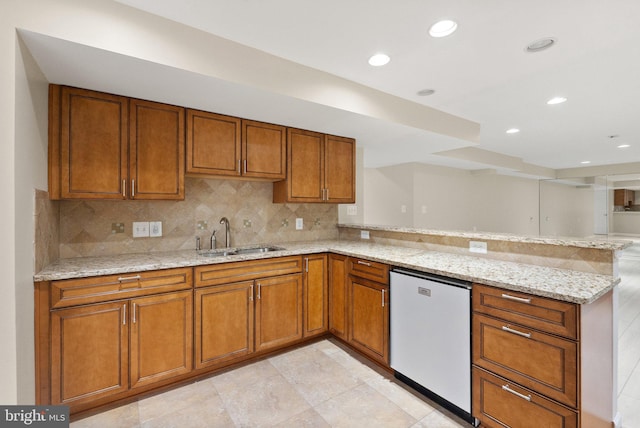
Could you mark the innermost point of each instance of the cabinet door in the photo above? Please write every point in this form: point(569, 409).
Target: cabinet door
point(278, 311)
point(161, 337)
point(213, 144)
point(340, 168)
point(305, 168)
point(338, 296)
point(369, 316)
point(264, 150)
point(224, 323)
point(316, 299)
point(90, 150)
point(156, 144)
point(89, 353)
point(499, 403)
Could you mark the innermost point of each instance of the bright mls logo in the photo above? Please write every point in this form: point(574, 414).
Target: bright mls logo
point(34, 416)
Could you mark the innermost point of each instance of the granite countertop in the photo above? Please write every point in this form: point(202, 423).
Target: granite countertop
point(560, 284)
point(600, 244)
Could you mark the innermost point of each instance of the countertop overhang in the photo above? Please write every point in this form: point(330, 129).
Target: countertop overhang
point(560, 284)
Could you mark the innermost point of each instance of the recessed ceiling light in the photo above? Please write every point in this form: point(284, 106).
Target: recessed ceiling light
point(540, 45)
point(556, 100)
point(513, 131)
point(624, 146)
point(585, 162)
point(443, 28)
point(426, 92)
point(379, 59)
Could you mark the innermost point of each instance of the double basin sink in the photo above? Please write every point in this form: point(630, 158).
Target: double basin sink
point(224, 252)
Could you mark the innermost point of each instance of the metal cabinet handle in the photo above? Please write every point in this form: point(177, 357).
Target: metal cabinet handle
point(383, 293)
point(124, 314)
point(519, 333)
point(124, 189)
point(239, 170)
point(259, 286)
point(306, 264)
point(251, 294)
point(327, 189)
point(129, 278)
point(524, 397)
point(245, 166)
point(134, 313)
point(514, 298)
point(360, 262)
point(133, 188)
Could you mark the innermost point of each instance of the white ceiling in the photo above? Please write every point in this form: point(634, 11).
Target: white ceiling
point(480, 73)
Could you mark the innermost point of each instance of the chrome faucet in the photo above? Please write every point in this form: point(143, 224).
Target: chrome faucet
point(213, 240)
point(227, 236)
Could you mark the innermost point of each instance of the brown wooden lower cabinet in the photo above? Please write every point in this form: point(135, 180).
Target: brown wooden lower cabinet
point(499, 403)
point(369, 318)
point(338, 296)
point(315, 295)
point(104, 349)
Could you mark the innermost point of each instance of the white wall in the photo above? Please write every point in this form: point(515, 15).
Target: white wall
point(450, 199)
point(566, 210)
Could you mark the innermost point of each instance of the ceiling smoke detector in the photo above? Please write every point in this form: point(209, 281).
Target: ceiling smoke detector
point(540, 45)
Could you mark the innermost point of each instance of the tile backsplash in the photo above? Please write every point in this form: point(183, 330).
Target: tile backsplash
point(94, 228)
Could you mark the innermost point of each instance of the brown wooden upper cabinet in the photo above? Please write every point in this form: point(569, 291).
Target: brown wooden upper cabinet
point(320, 168)
point(219, 145)
point(104, 146)
point(623, 197)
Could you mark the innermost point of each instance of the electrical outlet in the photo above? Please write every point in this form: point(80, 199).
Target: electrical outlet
point(352, 210)
point(155, 228)
point(140, 229)
point(299, 224)
point(364, 234)
point(403, 208)
point(478, 247)
point(117, 227)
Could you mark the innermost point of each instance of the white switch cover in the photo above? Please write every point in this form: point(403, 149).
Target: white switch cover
point(140, 229)
point(478, 247)
point(299, 224)
point(403, 208)
point(364, 234)
point(352, 210)
point(155, 228)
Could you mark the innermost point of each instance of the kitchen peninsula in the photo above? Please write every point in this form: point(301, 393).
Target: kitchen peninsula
point(580, 274)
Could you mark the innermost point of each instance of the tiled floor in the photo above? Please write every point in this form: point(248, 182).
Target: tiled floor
point(629, 337)
point(318, 385)
point(324, 385)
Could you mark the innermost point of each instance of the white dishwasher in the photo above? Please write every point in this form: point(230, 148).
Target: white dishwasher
point(431, 337)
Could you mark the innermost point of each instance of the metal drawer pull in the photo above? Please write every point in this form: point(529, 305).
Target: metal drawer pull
point(519, 333)
point(124, 314)
point(383, 297)
point(133, 188)
point(514, 298)
point(524, 397)
point(129, 278)
point(306, 264)
point(124, 189)
point(360, 262)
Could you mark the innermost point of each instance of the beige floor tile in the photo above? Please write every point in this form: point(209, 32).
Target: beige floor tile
point(327, 346)
point(355, 366)
point(408, 401)
point(307, 419)
point(437, 419)
point(126, 416)
point(265, 402)
point(314, 374)
point(186, 397)
point(205, 414)
point(363, 406)
point(629, 408)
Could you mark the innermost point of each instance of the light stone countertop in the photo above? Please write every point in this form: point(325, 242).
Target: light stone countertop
point(600, 244)
point(560, 284)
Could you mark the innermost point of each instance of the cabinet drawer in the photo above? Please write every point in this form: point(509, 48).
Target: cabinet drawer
point(225, 273)
point(374, 271)
point(539, 361)
point(548, 315)
point(499, 403)
point(72, 292)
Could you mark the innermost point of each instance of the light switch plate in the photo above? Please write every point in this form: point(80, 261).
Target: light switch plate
point(155, 228)
point(299, 223)
point(364, 234)
point(140, 229)
point(352, 210)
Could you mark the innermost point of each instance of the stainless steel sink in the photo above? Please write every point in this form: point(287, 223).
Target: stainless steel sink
point(224, 252)
point(257, 250)
point(217, 253)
